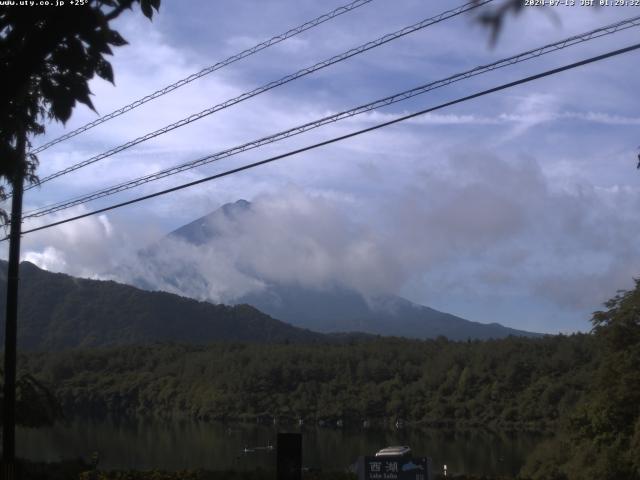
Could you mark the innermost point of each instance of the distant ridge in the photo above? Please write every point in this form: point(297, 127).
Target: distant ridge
point(334, 309)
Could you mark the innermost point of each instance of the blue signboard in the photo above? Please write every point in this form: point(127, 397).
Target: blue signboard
point(394, 468)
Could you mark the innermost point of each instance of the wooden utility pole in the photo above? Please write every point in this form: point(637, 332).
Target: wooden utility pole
point(11, 318)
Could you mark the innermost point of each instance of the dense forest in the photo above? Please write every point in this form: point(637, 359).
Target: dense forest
point(525, 384)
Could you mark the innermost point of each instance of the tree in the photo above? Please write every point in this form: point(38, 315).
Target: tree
point(602, 438)
point(36, 403)
point(612, 420)
point(47, 57)
point(48, 54)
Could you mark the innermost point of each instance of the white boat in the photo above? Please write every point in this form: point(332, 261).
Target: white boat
point(395, 451)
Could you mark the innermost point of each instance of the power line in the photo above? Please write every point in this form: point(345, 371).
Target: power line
point(206, 71)
point(276, 83)
point(521, 57)
point(343, 137)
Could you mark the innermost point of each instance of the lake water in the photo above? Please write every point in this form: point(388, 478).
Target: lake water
point(192, 445)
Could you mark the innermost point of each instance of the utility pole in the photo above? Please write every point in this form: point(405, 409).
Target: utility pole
point(11, 319)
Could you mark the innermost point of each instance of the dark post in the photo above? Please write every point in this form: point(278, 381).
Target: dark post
point(11, 320)
point(289, 466)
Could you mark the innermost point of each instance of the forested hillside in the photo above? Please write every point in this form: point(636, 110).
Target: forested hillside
point(58, 311)
point(526, 384)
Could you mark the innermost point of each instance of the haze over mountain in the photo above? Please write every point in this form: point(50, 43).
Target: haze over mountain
point(328, 307)
point(58, 311)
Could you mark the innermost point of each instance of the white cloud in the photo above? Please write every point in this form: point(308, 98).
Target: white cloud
point(90, 247)
point(49, 259)
point(494, 227)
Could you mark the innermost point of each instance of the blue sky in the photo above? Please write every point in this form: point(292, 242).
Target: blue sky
point(519, 207)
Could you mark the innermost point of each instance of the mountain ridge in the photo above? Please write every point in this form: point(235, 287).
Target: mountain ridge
point(58, 311)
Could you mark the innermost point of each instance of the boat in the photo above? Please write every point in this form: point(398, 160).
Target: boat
point(394, 451)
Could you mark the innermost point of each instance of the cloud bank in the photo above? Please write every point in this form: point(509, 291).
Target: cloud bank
point(501, 226)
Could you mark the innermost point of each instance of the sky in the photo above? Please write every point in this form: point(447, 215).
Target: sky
point(520, 207)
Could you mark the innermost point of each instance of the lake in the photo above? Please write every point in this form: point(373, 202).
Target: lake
point(154, 444)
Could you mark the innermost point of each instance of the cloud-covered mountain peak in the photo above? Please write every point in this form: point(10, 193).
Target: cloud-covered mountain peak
point(196, 260)
point(205, 228)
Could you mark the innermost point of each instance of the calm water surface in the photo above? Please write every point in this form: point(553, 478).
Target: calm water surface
point(215, 446)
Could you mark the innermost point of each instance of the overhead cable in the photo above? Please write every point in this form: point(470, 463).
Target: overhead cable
point(398, 97)
point(340, 138)
point(206, 71)
point(276, 83)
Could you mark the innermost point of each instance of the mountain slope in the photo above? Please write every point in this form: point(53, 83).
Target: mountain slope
point(330, 309)
point(58, 311)
point(346, 310)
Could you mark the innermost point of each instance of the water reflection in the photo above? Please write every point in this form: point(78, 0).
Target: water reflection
point(181, 445)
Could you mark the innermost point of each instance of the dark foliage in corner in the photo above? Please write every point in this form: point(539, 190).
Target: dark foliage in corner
point(36, 404)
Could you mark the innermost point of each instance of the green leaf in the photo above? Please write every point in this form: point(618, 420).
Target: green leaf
point(61, 107)
point(83, 97)
point(145, 6)
point(104, 70)
point(47, 89)
point(114, 38)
